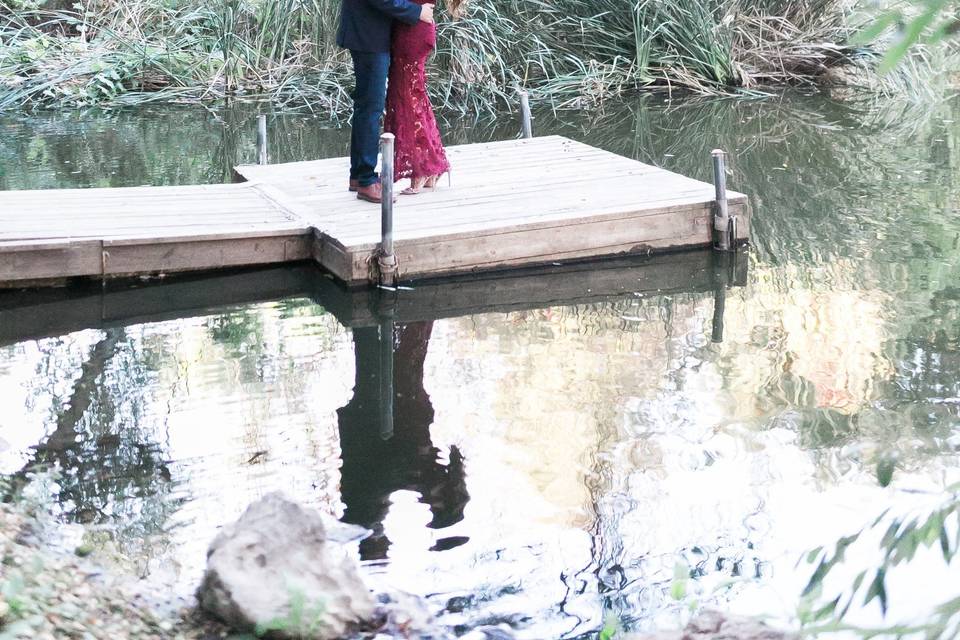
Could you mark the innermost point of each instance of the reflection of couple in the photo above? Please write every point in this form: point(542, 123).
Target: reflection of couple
point(392, 38)
point(377, 463)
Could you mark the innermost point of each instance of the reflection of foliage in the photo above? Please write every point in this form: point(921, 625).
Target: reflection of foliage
point(173, 145)
point(110, 470)
point(240, 332)
point(903, 537)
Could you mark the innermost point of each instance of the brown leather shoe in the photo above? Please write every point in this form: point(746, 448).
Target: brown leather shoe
point(354, 184)
point(372, 193)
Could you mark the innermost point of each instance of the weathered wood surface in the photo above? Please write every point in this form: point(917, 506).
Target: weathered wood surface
point(30, 315)
point(99, 232)
point(512, 203)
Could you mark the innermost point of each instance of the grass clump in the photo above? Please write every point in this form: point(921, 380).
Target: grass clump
point(571, 53)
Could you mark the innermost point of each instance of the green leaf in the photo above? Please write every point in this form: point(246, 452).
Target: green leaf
point(945, 544)
point(816, 579)
point(873, 31)
point(885, 468)
point(911, 36)
point(826, 611)
point(878, 590)
point(681, 575)
point(610, 628)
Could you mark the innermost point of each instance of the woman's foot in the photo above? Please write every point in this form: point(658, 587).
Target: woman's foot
point(417, 185)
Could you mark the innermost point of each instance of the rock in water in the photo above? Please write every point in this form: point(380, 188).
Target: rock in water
point(280, 569)
point(713, 625)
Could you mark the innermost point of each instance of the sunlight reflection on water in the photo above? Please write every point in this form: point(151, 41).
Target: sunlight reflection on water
point(549, 466)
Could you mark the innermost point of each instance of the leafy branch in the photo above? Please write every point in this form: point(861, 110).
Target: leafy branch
point(917, 22)
point(903, 537)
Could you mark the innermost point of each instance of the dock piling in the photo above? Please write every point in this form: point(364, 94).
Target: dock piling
point(262, 152)
point(525, 112)
point(724, 226)
point(386, 260)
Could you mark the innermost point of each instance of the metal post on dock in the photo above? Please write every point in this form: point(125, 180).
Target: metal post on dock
point(263, 156)
point(525, 113)
point(721, 217)
point(386, 260)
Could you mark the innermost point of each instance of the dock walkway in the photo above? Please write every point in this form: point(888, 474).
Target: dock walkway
point(512, 203)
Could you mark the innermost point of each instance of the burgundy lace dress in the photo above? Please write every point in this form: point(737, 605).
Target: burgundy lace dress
point(418, 151)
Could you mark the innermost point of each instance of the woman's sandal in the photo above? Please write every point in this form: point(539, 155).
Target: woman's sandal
point(418, 184)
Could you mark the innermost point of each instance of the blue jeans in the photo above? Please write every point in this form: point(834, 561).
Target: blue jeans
point(370, 70)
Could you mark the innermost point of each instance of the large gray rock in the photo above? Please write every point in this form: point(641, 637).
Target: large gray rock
point(713, 625)
point(285, 570)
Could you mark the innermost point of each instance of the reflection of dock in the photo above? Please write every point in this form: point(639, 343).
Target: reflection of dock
point(538, 288)
point(26, 315)
point(513, 203)
point(385, 429)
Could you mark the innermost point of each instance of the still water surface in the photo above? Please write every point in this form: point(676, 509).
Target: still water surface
point(549, 463)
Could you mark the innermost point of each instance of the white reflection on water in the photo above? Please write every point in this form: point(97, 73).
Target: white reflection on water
point(600, 444)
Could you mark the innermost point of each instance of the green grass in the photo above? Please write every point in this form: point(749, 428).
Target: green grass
point(570, 53)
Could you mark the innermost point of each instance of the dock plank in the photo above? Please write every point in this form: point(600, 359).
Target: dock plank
point(135, 230)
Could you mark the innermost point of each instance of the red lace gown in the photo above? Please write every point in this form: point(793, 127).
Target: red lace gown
point(418, 151)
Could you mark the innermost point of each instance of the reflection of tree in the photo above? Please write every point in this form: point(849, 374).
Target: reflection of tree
point(375, 466)
point(169, 145)
point(240, 333)
point(104, 460)
point(110, 468)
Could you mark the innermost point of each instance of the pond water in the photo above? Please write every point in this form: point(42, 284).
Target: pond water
point(550, 462)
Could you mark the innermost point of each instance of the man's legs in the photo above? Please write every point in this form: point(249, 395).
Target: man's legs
point(370, 70)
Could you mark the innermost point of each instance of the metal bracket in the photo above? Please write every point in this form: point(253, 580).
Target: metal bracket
point(387, 269)
point(732, 233)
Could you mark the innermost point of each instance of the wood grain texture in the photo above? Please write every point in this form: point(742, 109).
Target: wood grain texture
point(512, 203)
point(143, 230)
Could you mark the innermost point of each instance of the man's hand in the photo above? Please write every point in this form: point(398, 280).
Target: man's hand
point(426, 13)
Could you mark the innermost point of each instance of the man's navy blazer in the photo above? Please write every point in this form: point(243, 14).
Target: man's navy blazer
point(365, 24)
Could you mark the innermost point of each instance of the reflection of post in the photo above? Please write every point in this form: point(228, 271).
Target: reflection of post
point(719, 305)
point(386, 379)
point(722, 265)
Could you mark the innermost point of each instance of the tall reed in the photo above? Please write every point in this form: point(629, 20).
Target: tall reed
point(571, 53)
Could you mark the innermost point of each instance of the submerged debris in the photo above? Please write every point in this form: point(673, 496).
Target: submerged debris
point(713, 625)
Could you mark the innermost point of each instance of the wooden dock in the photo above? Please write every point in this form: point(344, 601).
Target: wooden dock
point(520, 202)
